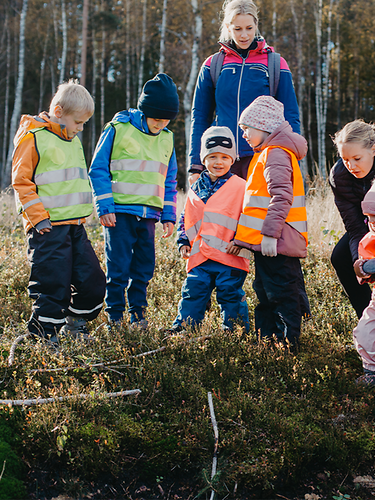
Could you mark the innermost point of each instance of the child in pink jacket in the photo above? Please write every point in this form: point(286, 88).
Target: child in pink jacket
point(364, 267)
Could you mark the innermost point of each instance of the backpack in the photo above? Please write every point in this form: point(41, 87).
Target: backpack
point(273, 69)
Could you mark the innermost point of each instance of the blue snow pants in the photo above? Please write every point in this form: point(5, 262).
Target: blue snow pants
point(197, 289)
point(130, 260)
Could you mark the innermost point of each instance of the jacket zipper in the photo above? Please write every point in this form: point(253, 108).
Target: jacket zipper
point(238, 105)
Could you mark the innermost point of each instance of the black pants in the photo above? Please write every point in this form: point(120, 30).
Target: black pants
point(342, 261)
point(281, 292)
point(66, 278)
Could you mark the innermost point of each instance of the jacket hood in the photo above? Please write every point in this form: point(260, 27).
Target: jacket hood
point(29, 122)
point(368, 203)
point(262, 47)
point(135, 117)
point(284, 137)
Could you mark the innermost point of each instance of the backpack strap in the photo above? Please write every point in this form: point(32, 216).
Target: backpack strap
point(215, 68)
point(273, 71)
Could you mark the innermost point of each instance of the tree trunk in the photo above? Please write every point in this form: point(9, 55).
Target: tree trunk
point(162, 37)
point(299, 26)
point(93, 91)
point(85, 17)
point(18, 96)
point(127, 55)
point(197, 34)
point(338, 68)
point(6, 100)
point(274, 20)
point(42, 70)
point(143, 48)
point(102, 78)
point(65, 41)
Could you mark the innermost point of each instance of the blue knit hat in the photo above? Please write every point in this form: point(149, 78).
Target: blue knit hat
point(159, 98)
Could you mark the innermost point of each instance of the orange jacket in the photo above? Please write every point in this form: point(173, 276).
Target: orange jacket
point(25, 161)
point(211, 226)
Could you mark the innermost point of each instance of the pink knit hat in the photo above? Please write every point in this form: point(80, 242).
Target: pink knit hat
point(264, 113)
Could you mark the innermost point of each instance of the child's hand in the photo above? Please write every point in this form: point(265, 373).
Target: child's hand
point(358, 268)
point(108, 220)
point(185, 252)
point(168, 229)
point(233, 249)
point(44, 230)
point(268, 246)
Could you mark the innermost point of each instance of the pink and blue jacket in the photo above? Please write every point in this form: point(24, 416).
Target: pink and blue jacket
point(240, 82)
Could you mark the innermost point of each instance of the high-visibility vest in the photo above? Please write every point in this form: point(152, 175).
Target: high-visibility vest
point(257, 199)
point(139, 165)
point(211, 226)
point(61, 177)
point(366, 247)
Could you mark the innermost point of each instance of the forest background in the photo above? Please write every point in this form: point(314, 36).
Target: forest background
point(114, 46)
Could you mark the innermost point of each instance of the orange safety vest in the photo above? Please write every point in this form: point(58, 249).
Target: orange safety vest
point(366, 247)
point(257, 199)
point(211, 226)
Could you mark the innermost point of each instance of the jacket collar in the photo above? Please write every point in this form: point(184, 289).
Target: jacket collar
point(261, 47)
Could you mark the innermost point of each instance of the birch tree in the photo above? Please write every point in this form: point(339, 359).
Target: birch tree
point(65, 41)
point(6, 100)
point(162, 37)
point(143, 48)
point(85, 17)
point(197, 34)
point(18, 96)
point(322, 84)
point(299, 30)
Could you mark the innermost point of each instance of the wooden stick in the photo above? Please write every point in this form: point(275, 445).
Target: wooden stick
point(216, 436)
point(40, 401)
point(14, 345)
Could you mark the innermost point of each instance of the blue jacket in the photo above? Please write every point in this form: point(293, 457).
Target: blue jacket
point(240, 82)
point(100, 175)
point(204, 188)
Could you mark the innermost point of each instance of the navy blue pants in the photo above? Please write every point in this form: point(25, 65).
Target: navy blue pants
point(197, 289)
point(283, 301)
point(342, 261)
point(130, 259)
point(66, 278)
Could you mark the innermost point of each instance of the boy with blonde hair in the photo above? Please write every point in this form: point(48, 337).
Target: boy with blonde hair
point(49, 177)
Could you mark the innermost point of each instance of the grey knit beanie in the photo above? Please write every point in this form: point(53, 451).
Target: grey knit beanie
point(218, 140)
point(264, 113)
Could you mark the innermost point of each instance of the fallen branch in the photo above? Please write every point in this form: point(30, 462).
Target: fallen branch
point(216, 436)
point(2, 472)
point(40, 401)
point(14, 345)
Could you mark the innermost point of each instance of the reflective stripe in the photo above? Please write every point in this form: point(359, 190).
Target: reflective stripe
point(52, 176)
point(55, 321)
point(31, 203)
point(214, 242)
point(137, 189)
point(221, 220)
point(195, 248)
point(256, 201)
point(134, 165)
point(65, 200)
point(170, 204)
point(299, 202)
point(104, 196)
point(193, 230)
point(251, 222)
point(300, 226)
point(85, 311)
point(263, 202)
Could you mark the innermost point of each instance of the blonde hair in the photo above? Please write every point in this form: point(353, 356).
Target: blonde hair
point(73, 98)
point(356, 131)
point(231, 9)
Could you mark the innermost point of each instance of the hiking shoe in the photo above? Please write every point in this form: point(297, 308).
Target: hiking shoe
point(76, 328)
point(368, 380)
point(114, 326)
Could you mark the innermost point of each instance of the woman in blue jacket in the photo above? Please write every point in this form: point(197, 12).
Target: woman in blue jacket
point(244, 76)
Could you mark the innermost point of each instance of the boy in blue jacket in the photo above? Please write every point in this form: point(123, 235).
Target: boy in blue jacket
point(133, 176)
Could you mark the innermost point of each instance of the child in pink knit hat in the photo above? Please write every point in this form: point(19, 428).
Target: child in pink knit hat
point(273, 223)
